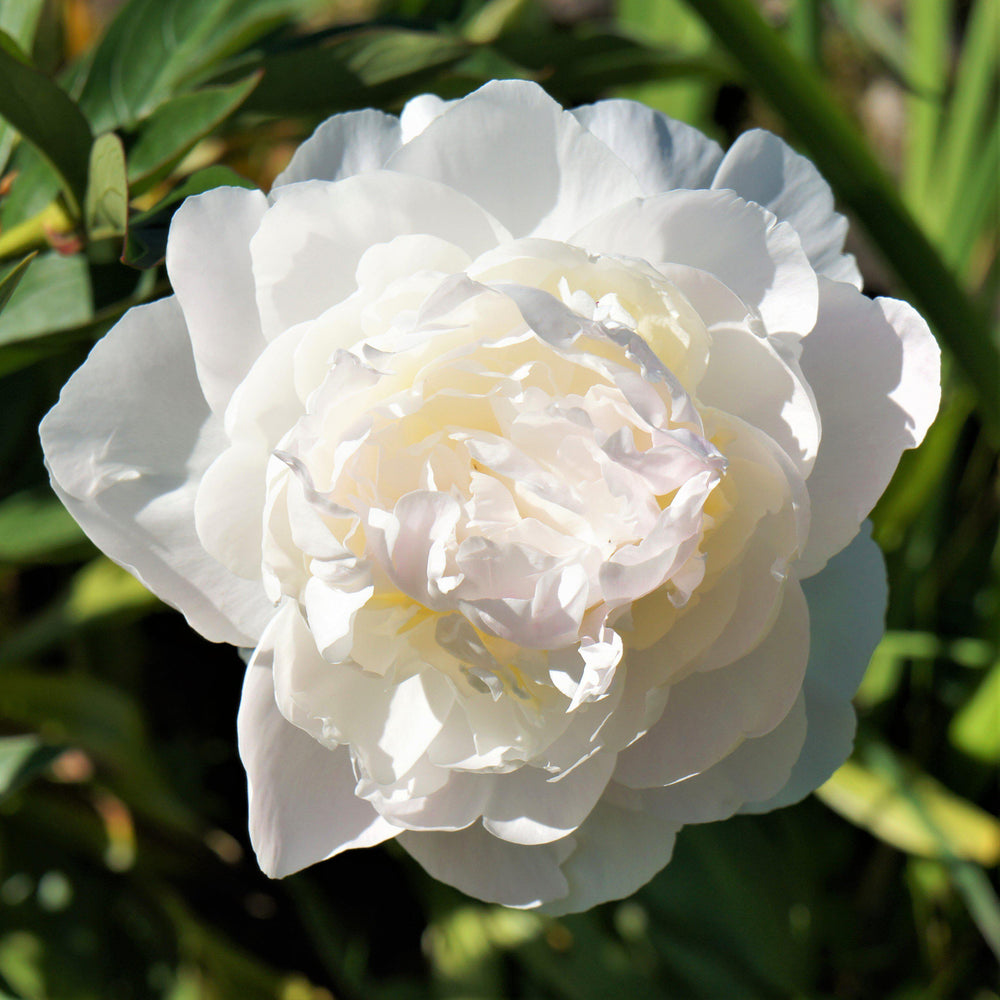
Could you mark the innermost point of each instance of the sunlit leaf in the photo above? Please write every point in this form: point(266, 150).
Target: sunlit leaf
point(154, 48)
point(915, 814)
point(106, 207)
point(975, 730)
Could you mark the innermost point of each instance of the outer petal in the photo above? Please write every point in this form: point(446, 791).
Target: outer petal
point(662, 152)
point(529, 806)
point(342, 146)
point(208, 260)
point(752, 772)
point(759, 258)
point(136, 502)
point(514, 151)
point(847, 610)
point(310, 241)
point(302, 803)
point(875, 371)
point(710, 713)
point(489, 868)
point(762, 168)
point(776, 400)
point(419, 112)
point(620, 847)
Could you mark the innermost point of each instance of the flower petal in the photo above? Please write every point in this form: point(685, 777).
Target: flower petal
point(310, 241)
point(532, 165)
point(208, 261)
point(343, 146)
point(302, 803)
point(489, 868)
point(529, 806)
point(711, 712)
point(758, 257)
point(875, 371)
point(619, 848)
point(847, 602)
point(662, 152)
point(763, 168)
point(136, 502)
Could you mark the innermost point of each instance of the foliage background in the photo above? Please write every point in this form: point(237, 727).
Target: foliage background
point(124, 866)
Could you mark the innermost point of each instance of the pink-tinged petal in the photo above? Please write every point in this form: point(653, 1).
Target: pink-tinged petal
point(847, 602)
point(136, 502)
point(208, 261)
point(491, 869)
point(874, 368)
point(662, 152)
point(345, 145)
point(619, 848)
point(310, 241)
point(532, 165)
point(302, 803)
point(529, 806)
point(763, 168)
point(710, 713)
point(758, 257)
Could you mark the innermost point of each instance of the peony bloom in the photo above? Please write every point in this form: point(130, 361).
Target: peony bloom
point(528, 449)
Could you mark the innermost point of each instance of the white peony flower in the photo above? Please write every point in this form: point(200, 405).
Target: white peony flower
point(529, 450)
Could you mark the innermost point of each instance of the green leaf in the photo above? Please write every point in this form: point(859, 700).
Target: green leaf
point(146, 242)
point(156, 48)
point(35, 186)
point(84, 712)
point(11, 278)
point(46, 117)
point(802, 98)
point(21, 759)
point(53, 295)
point(579, 65)
point(20, 21)
point(179, 123)
point(975, 730)
point(36, 527)
point(373, 66)
point(106, 207)
point(670, 23)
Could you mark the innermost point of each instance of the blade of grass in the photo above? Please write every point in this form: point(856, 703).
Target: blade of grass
point(841, 154)
point(929, 36)
point(805, 29)
point(973, 106)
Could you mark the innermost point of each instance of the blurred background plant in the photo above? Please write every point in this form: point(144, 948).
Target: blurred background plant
point(124, 866)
